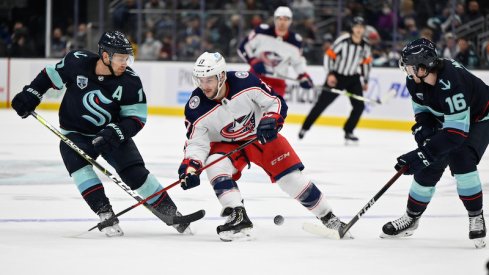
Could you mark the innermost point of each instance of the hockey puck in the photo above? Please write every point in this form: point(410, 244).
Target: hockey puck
point(278, 220)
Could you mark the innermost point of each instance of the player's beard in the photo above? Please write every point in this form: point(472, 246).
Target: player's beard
point(119, 71)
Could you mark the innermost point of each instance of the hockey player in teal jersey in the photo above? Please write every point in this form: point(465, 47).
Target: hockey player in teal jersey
point(451, 108)
point(104, 106)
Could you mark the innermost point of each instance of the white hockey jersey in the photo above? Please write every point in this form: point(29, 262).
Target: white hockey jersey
point(232, 119)
point(277, 53)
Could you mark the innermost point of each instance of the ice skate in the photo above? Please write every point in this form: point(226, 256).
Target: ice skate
point(332, 222)
point(477, 230)
point(402, 227)
point(168, 208)
point(302, 133)
point(111, 229)
point(237, 227)
point(350, 139)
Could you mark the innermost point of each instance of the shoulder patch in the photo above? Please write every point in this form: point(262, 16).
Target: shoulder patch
point(298, 37)
point(81, 81)
point(242, 74)
point(264, 26)
point(194, 102)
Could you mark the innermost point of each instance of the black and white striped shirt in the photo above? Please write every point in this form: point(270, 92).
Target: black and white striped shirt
point(347, 58)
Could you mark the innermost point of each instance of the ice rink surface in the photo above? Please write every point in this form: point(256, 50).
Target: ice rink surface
point(41, 212)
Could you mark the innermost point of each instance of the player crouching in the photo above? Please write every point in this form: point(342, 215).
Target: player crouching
point(225, 111)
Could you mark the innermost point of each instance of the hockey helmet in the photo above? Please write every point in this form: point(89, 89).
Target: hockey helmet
point(357, 20)
point(419, 53)
point(283, 11)
point(115, 42)
point(210, 64)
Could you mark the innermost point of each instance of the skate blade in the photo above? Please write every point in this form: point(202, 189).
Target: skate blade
point(323, 231)
point(479, 243)
point(241, 236)
point(400, 235)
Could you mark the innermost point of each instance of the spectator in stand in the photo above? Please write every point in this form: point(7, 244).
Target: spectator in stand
point(410, 32)
point(256, 21)
point(450, 46)
point(303, 9)
point(466, 54)
point(385, 22)
point(151, 47)
point(166, 49)
point(122, 19)
point(473, 10)
point(58, 43)
point(21, 45)
point(253, 5)
point(79, 42)
point(152, 19)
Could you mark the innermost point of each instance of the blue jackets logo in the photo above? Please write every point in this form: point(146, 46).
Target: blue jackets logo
point(240, 127)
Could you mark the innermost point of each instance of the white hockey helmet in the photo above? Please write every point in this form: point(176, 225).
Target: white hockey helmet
point(283, 11)
point(210, 64)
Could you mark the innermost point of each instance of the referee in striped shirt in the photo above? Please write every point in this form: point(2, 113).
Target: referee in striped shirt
point(347, 65)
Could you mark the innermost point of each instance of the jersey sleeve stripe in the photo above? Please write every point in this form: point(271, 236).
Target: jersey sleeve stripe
point(54, 76)
point(136, 110)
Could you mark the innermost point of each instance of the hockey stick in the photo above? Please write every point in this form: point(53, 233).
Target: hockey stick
point(108, 221)
point(169, 220)
point(321, 230)
point(371, 202)
point(389, 95)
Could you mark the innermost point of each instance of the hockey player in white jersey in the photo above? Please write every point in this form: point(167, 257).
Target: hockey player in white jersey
point(226, 110)
point(271, 50)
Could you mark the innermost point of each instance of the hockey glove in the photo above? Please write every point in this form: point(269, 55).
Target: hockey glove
point(422, 133)
point(269, 127)
point(186, 172)
point(305, 81)
point(258, 66)
point(108, 138)
point(26, 101)
point(416, 161)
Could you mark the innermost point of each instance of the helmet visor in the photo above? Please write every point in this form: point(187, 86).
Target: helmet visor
point(122, 59)
point(409, 70)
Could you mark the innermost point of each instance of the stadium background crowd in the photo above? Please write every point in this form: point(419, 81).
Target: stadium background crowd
point(181, 30)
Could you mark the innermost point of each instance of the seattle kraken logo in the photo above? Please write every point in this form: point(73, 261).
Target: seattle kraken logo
point(90, 101)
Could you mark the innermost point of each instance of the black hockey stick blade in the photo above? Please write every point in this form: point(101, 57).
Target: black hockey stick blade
point(192, 217)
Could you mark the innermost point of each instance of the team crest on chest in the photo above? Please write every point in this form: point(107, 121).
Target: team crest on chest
point(194, 102)
point(240, 127)
point(81, 81)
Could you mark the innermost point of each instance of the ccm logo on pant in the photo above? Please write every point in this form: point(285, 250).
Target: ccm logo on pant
point(280, 158)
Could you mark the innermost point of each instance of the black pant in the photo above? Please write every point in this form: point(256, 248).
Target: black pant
point(125, 159)
point(351, 84)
